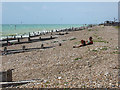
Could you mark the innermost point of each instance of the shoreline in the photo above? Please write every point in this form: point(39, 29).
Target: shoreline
point(11, 39)
point(26, 33)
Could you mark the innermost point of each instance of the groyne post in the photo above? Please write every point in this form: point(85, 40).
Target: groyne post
point(21, 36)
point(38, 33)
point(6, 76)
point(29, 34)
point(18, 39)
point(7, 40)
point(60, 44)
point(5, 50)
point(23, 47)
point(9, 75)
point(29, 37)
point(14, 37)
point(40, 38)
point(66, 33)
point(42, 46)
point(51, 37)
point(33, 33)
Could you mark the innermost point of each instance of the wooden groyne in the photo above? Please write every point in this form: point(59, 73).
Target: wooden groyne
point(6, 76)
point(16, 40)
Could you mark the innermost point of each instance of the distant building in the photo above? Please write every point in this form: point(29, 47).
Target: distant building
point(111, 23)
point(115, 22)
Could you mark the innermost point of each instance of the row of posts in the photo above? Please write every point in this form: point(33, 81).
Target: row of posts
point(24, 48)
point(18, 39)
point(43, 34)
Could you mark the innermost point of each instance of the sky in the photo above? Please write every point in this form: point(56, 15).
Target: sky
point(58, 12)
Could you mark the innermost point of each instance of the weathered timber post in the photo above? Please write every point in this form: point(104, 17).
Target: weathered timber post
point(14, 37)
point(5, 50)
point(7, 39)
point(51, 37)
point(9, 75)
point(60, 44)
point(66, 33)
point(6, 76)
point(40, 38)
point(42, 46)
point(21, 36)
point(18, 39)
point(23, 47)
point(29, 37)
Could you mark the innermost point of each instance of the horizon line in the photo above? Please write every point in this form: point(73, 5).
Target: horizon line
point(60, 1)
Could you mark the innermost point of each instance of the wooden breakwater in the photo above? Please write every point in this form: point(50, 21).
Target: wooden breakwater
point(17, 40)
point(6, 76)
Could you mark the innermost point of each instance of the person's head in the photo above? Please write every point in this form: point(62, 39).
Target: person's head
point(82, 42)
point(90, 38)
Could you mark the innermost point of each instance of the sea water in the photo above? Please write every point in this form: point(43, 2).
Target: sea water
point(24, 29)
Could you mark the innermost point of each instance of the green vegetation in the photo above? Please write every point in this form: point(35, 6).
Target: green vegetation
point(100, 41)
point(57, 84)
point(99, 38)
point(78, 42)
point(47, 82)
point(90, 30)
point(66, 89)
point(78, 58)
point(54, 41)
point(72, 39)
point(66, 82)
point(11, 35)
point(95, 35)
point(94, 50)
point(117, 27)
point(116, 52)
point(104, 48)
point(64, 40)
point(83, 86)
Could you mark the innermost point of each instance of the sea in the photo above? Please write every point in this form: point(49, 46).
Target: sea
point(23, 29)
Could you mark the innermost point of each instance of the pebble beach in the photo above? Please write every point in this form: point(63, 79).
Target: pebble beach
point(55, 66)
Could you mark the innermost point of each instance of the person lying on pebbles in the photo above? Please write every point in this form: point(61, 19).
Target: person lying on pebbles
point(84, 43)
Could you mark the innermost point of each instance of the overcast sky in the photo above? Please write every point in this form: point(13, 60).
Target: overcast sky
point(58, 12)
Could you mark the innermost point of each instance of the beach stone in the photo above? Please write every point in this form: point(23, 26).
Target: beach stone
point(60, 44)
point(106, 73)
point(45, 81)
point(59, 78)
